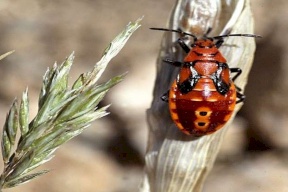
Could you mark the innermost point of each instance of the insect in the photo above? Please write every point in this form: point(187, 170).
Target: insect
point(203, 96)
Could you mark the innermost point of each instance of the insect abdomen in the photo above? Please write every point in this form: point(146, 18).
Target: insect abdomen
point(203, 110)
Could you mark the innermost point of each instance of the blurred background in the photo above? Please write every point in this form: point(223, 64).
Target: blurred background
point(108, 156)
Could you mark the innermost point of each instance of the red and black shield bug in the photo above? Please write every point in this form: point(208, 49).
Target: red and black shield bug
point(203, 96)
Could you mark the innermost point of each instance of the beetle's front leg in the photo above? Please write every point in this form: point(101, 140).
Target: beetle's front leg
point(172, 62)
point(183, 45)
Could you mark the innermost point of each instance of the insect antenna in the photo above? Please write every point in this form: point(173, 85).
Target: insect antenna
point(207, 32)
point(239, 35)
point(176, 31)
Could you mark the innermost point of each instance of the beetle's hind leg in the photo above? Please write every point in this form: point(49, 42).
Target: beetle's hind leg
point(238, 88)
point(238, 72)
point(240, 97)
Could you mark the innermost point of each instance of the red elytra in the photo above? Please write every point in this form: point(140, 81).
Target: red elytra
point(203, 96)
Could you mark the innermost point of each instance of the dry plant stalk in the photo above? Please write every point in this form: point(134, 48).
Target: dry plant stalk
point(174, 161)
point(63, 113)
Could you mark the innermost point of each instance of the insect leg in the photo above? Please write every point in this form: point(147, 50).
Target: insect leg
point(165, 96)
point(238, 72)
point(183, 45)
point(240, 97)
point(238, 88)
point(175, 63)
point(207, 32)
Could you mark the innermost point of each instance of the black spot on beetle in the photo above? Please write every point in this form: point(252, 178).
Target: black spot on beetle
point(203, 113)
point(201, 124)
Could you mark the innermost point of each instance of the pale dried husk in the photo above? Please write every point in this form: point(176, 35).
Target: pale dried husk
point(176, 162)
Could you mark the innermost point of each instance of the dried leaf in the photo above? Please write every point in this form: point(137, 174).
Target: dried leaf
point(175, 161)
